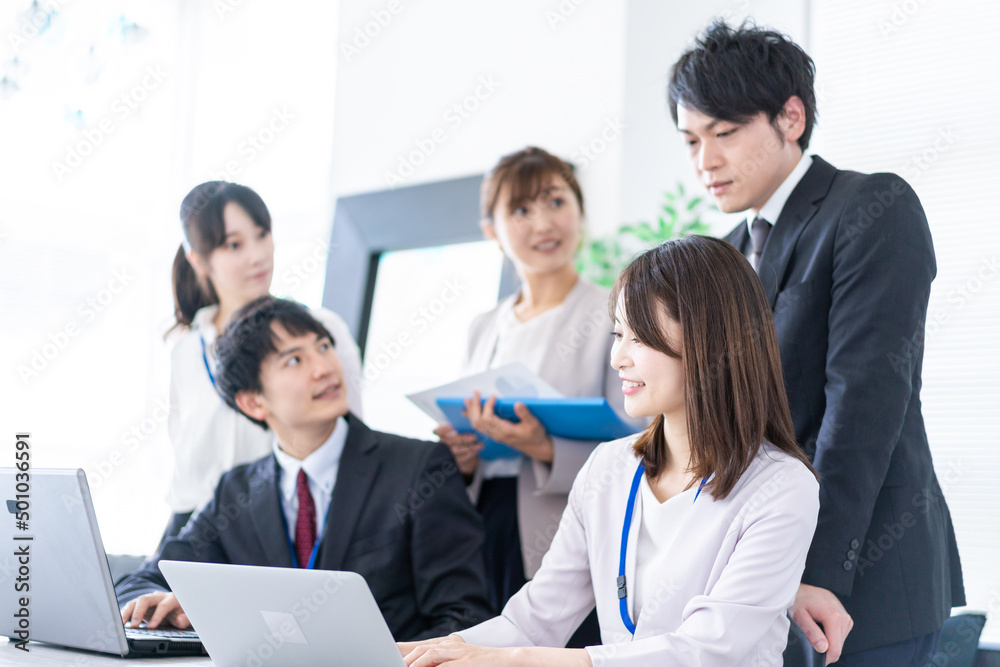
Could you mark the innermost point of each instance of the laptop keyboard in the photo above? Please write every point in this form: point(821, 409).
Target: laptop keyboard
point(160, 633)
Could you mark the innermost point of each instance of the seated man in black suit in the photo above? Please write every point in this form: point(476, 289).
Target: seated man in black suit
point(334, 495)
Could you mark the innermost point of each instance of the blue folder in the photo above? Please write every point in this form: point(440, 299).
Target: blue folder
point(574, 418)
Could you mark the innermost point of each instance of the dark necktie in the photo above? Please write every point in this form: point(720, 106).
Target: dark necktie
point(759, 230)
point(305, 523)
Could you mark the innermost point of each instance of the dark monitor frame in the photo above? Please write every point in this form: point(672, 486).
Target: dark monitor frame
point(365, 226)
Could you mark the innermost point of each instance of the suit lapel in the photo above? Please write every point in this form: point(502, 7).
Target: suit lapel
point(800, 208)
point(739, 238)
point(265, 509)
point(355, 476)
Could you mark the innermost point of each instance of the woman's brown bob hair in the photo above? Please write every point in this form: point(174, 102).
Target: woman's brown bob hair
point(526, 173)
point(734, 393)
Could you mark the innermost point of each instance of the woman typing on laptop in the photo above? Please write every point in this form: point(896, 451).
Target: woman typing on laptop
point(691, 537)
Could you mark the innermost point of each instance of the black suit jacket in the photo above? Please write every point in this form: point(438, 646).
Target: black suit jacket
point(848, 269)
point(399, 516)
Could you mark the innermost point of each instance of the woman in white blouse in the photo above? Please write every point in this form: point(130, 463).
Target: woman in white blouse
point(691, 537)
point(557, 326)
point(225, 262)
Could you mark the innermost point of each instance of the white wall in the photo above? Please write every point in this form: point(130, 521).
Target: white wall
point(653, 157)
point(568, 73)
point(221, 69)
point(559, 82)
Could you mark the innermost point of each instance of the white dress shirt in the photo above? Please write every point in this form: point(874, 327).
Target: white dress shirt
point(321, 468)
point(207, 436)
point(772, 207)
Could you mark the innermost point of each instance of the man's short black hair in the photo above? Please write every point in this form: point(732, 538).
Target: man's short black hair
point(734, 74)
point(249, 339)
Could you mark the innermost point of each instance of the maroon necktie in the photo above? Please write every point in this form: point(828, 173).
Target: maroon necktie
point(305, 523)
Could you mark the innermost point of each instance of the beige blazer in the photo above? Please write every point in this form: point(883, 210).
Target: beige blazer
point(577, 365)
point(735, 568)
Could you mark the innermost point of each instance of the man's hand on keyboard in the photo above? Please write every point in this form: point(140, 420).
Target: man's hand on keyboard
point(155, 608)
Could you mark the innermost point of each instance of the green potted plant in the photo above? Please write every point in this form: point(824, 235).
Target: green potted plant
point(601, 259)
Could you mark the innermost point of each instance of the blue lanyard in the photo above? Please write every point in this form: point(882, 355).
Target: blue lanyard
point(208, 367)
point(312, 558)
point(291, 547)
point(620, 581)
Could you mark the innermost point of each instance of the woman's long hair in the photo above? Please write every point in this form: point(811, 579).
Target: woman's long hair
point(734, 391)
point(204, 231)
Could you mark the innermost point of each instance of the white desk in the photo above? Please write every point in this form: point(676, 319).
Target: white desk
point(53, 656)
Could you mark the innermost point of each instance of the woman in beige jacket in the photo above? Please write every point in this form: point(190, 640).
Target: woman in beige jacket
point(557, 326)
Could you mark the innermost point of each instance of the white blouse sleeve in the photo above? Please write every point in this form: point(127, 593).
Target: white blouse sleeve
point(549, 608)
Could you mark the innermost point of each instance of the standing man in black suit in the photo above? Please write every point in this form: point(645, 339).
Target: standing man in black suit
point(334, 495)
point(847, 262)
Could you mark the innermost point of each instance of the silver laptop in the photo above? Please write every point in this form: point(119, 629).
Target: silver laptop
point(66, 580)
point(254, 616)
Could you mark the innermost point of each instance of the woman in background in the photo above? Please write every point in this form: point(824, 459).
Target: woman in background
point(556, 326)
point(692, 536)
point(225, 262)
